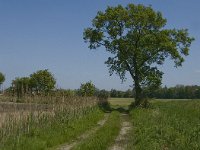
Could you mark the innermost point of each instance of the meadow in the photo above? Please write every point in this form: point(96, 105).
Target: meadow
point(72, 123)
point(122, 102)
point(171, 124)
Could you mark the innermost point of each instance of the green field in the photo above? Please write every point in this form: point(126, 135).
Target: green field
point(166, 125)
point(122, 102)
point(173, 125)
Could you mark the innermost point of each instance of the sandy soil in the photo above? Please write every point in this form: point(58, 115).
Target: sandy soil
point(122, 139)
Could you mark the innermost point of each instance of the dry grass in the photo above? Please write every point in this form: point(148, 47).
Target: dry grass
point(18, 119)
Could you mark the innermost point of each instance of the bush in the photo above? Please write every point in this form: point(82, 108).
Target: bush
point(87, 89)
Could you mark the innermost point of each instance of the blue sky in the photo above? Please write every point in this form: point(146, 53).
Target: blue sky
point(48, 34)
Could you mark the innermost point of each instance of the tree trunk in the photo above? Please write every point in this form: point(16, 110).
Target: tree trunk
point(138, 91)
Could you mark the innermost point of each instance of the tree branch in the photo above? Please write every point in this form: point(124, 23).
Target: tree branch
point(129, 69)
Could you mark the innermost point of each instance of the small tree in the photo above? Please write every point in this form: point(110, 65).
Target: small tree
point(42, 81)
point(21, 86)
point(2, 79)
point(138, 40)
point(87, 89)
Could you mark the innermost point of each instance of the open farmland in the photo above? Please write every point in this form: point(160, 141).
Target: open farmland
point(120, 101)
point(55, 94)
point(166, 124)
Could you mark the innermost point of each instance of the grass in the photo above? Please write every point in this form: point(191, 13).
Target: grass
point(104, 137)
point(171, 125)
point(54, 134)
point(166, 124)
point(43, 129)
point(121, 102)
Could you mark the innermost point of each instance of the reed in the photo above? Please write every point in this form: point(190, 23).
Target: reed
point(38, 124)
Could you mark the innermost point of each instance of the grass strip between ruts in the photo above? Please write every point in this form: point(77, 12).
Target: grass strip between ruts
point(104, 137)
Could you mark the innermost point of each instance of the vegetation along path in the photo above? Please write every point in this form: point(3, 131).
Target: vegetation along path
point(121, 141)
point(68, 146)
point(111, 132)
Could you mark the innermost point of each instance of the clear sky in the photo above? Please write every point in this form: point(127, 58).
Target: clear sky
point(48, 34)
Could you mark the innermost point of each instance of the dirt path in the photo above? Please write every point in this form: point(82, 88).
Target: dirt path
point(122, 139)
point(85, 135)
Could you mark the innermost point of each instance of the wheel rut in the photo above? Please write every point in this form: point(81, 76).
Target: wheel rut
point(122, 140)
point(70, 145)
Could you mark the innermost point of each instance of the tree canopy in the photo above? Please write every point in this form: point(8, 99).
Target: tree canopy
point(42, 81)
point(138, 41)
point(87, 89)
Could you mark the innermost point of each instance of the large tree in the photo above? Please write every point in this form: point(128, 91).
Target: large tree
point(138, 41)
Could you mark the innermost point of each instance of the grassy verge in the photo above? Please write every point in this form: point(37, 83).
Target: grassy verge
point(104, 137)
point(168, 125)
point(53, 132)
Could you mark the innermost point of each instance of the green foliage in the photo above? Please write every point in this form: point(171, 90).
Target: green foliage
point(21, 86)
point(104, 137)
point(2, 78)
point(167, 125)
point(103, 103)
point(177, 92)
point(137, 38)
point(121, 94)
point(113, 93)
point(42, 81)
point(87, 89)
point(103, 94)
point(128, 93)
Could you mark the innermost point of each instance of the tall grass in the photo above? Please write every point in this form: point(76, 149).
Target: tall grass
point(38, 127)
point(167, 125)
point(104, 137)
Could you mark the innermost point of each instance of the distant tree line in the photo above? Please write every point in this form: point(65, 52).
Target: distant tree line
point(42, 82)
point(177, 92)
point(121, 94)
